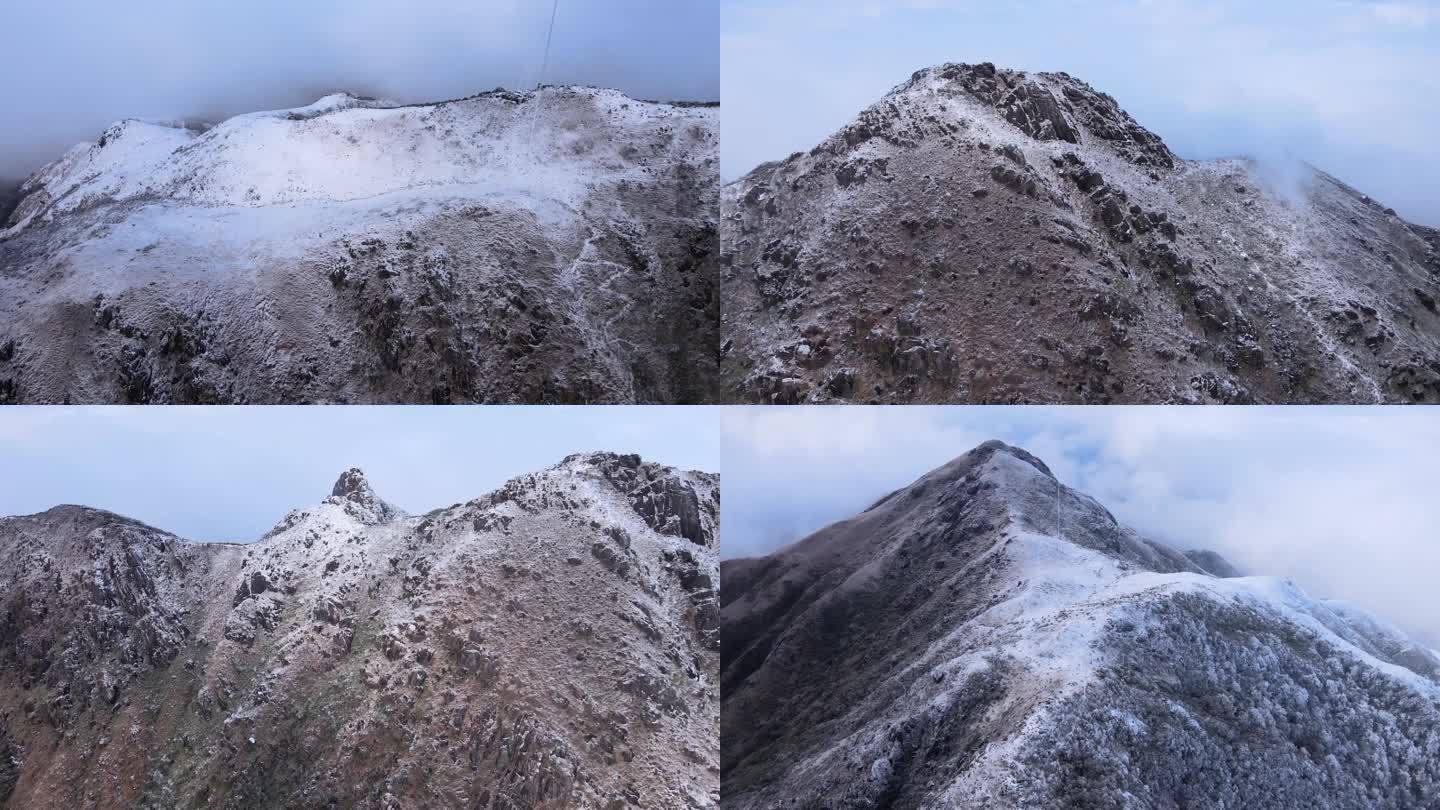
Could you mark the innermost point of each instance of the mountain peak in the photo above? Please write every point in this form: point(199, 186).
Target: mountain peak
point(1007, 485)
point(847, 261)
point(670, 501)
point(1050, 107)
point(351, 482)
point(353, 491)
point(348, 617)
point(989, 448)
point(1211, 562)
point(987, 634)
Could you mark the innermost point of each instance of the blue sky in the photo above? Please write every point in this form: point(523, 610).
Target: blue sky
point(76, 66)
point(1341, 499)
point(1349, 85)
point(230, 473)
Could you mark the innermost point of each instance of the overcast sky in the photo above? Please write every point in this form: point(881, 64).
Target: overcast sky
point(231, 473)
point(1350, 85)
point(1342, 499)
point(73, 67)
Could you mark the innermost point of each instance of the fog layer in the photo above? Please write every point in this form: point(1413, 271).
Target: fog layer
point(76, 66)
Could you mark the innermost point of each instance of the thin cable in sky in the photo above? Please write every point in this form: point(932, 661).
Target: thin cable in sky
point(545, 63)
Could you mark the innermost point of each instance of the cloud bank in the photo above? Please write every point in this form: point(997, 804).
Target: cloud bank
point(1352, 87)
point(1340, 499)
point(76, 66)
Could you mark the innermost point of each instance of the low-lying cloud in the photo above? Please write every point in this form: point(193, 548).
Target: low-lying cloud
point(1340, 499)
point(76, 66)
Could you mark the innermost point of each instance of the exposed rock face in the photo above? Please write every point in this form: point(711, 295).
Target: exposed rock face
point(670, 505)
point(353, 491)
point(988, 638)
point(986, 235)
point(477, 656)
point(557, 246)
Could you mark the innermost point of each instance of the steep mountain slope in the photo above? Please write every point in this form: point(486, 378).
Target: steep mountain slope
point(987, 637)
point(507, 247)
point(985, 235)
point(9, 197)
point(553, 644)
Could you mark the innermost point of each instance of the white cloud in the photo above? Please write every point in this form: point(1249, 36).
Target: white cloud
point(1414, 15)
point(104, 61)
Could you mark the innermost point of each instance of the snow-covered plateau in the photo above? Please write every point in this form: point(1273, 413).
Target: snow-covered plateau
point(551, 246)
point(989, 638)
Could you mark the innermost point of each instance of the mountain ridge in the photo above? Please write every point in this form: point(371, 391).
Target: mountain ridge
point(989, 638)
point(468, 655)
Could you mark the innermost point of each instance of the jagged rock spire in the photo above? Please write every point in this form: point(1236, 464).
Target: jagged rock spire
point(352, 490)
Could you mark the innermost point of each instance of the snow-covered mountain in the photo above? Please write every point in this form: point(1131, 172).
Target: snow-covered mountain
point(553, 644)
point(987, 235)
point(987, 637)
point(559, 245)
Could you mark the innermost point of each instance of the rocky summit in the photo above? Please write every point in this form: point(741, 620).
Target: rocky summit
point(997, 236)
point(553, 644)
point(551, 246)
point(987, 637)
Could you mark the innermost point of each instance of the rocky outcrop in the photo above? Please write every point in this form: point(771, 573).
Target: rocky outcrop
point(987, 637)
point(353, 492)
point(84, 618)
point(996, 236)
point(681, 506)
point(360, 657)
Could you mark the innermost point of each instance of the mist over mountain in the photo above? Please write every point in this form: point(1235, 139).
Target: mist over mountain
point(988, 637)
point(165, 59)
